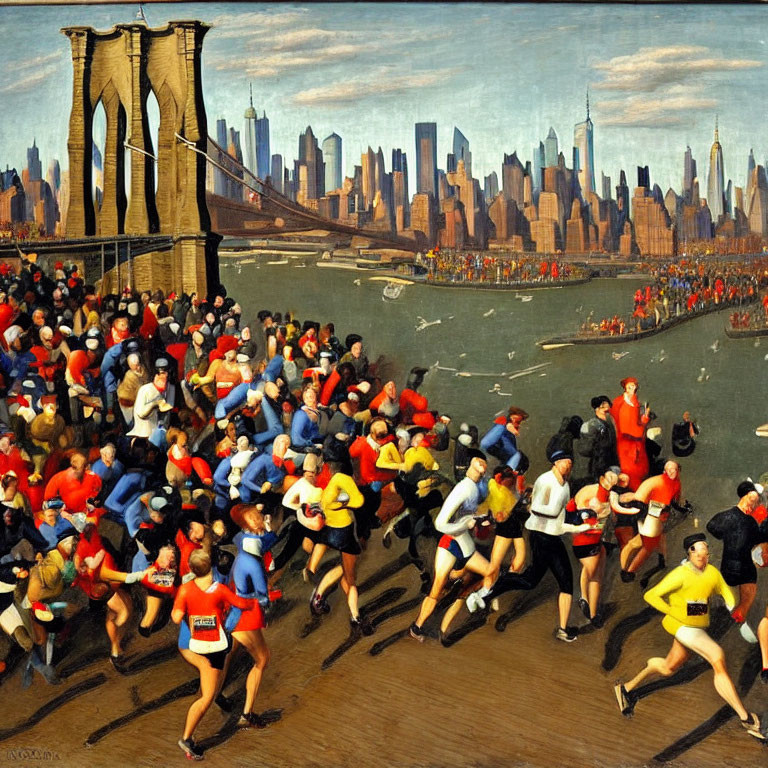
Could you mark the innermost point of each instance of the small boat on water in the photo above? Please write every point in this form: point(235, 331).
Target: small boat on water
point(279, 261)
point(762, 431)
point(745, 333)
point(587, 337)
point(392, 291)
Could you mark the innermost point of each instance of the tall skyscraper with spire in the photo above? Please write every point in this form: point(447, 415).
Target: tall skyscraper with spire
point(251, 142)
point(257, 155)
point(582, 140)
point(716, 184)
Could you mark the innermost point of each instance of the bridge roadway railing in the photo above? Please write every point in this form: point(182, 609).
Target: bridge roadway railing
point(96, 256)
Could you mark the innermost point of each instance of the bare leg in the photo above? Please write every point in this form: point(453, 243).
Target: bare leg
point(658, 666)
point(317, 555)
point(349, 565)
point(253, 641)
point(708, 649)
point(330, 579)
point(629, 550)
point(444, 562)
point(762, 636)
point(118, 613)
point(590, 581)
point(151, 611)
point(564, 601)
point(209, 685)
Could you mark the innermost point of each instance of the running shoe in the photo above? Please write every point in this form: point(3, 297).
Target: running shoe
point(753, 726)
point(318, 605)
point(363, 625)
point(251, 720)
point(598, 620)
point(627, 577)
point(145, 631)
point(622, 697)
point(474, 602)
point(386, 539)
point(764, 677)
point(584, 605)
point(118, 662)
point(416, 632)
point(747, 634)
point(191, 749)
point(566, 635)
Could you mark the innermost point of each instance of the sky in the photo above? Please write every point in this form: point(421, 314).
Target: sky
point(658, 76)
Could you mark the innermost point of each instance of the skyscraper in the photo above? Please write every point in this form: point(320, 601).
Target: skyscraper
point(33, 163)
point(257, 155)
point(426, 158)
point(607, 193)
point(491, 187)
point(368, 164)
point(461, 150)
point(309, 166)
point(539, 155)
point(689, 174)
point(750, 170)
point(276, 172)
point(550, 149)
point(400, 195)
point(251, 142)
point(582, 139)
point(512, 179)
point(263, 155)
point(716, 182)
point(332, 158)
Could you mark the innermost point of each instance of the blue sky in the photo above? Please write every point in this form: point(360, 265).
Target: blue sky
point(503, 73)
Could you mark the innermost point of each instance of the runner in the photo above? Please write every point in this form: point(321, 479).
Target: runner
point(740, 533)
point(688, 589)
point(456, 549)
point(248, 579)
point(547, 524)
point(199, 608)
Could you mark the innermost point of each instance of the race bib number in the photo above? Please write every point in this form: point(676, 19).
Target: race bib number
point(203, 623)
point(162, 578)
point(697, 608)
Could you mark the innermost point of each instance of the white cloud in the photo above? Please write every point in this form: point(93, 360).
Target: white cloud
point(672, 107)
point(652, 68)
point(285, 62)
point(25, 82)
point(255, 23)
point(379, 83)
point(21, 65)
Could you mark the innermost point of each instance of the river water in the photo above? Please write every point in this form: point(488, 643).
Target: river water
point(479, 331)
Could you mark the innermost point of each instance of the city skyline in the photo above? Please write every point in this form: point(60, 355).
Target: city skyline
point(648, 102)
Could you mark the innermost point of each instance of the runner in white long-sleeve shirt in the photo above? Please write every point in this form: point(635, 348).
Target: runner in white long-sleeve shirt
point(546, 524)
point(456, 549)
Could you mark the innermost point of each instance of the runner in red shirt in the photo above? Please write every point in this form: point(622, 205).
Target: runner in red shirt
point(204, 602)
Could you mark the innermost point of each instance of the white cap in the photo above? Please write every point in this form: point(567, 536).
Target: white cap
point(92, 343)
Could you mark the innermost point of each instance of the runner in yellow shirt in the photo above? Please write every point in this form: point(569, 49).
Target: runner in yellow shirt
point(683, 596)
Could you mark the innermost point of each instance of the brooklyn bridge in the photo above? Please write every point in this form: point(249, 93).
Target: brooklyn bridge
point(157, 225)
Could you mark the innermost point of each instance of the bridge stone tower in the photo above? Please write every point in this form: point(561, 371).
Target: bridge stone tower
point(119, 68)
